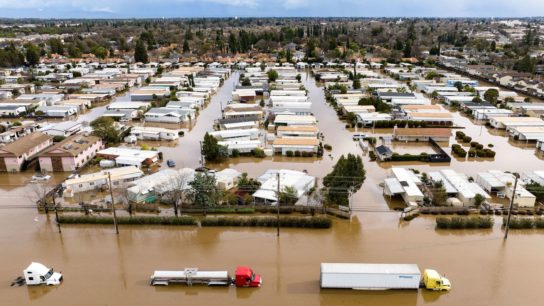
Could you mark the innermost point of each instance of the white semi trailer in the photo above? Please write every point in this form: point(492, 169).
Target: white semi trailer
point(365, 276)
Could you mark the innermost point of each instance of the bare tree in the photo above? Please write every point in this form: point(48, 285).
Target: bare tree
point(38, 193)
point(176, 189)
point(123, 195)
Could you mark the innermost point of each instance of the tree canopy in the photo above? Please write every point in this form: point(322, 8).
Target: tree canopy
point(212, 150)
point(104, 127)
point(346, 177)
point(140, 52)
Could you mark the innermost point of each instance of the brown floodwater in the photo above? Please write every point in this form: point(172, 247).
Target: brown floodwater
point(101, 268)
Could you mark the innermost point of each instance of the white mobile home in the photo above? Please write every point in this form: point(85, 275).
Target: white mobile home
point(94, 181)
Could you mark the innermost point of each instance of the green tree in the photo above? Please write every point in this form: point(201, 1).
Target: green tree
point(458, 85)
point(431, 75)
point(526, 64)
point(186, 48)
point(73, 51)
point(346, 177)
point(247, 184)
point(203, 190)
point(491, 95)
point(272, 75)
point(104, 127)
point(439, 194)
point(356, 83)
point(479, 200)
point(56, 46)
point(32, 54)
point(140, 52)
point(100, 52)
point(407, 49)
point(288, 196)
point(212, 150)
point(246, 82)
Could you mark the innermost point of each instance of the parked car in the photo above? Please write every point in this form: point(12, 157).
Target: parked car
point(358, 136)
point(40, 178)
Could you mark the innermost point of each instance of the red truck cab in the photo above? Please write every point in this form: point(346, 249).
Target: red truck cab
point(245, 277)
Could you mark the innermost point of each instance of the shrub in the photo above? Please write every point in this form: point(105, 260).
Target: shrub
point(459, 134)
point(371, 140)
point(473, 144)
point(359, 124)
point(464, 222)
point(297, 153)
point(58, 138)
point(258, 152)
point(327, 147)
point(235, 153)
point(490, 145)
point(467, 139)
point(306, 154)
point(479, 146)
point(471, 153)
point(289, 153)
point(539, 222)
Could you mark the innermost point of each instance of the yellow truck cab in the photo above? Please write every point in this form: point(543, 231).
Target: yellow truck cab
point(434, 281)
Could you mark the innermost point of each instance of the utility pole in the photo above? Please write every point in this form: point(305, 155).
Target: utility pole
point(113, 206)
point(511, 206)
point(278, 204)
point(201, 155)
point(56, 211)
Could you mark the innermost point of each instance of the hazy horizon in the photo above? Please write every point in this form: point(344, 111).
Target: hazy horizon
point(121, 9)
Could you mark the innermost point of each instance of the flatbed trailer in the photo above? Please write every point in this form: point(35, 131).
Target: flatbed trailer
point(245, 277)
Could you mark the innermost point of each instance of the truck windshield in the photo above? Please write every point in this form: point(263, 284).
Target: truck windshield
point(48, 274)
point(252, 275)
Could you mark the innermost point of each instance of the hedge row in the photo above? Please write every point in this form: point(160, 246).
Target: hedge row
point(464, 222)
point(299, 154)
point(458, 150)
point(136, 220)
point(302, 222)
point(423, 157)
point(481, 153)
point(524, 223)
point(400, 123)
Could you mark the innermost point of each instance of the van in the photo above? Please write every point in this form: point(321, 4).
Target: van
point(358, 137)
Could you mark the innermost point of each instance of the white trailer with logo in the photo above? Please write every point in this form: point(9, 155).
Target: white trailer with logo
point(370, 276)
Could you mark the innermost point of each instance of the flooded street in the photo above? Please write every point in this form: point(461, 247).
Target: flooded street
point(101, 268)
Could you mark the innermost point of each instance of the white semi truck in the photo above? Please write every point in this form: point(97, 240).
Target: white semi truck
point(364, 276)
point(38, 274)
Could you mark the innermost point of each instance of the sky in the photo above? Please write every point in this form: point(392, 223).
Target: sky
point(268, 8)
